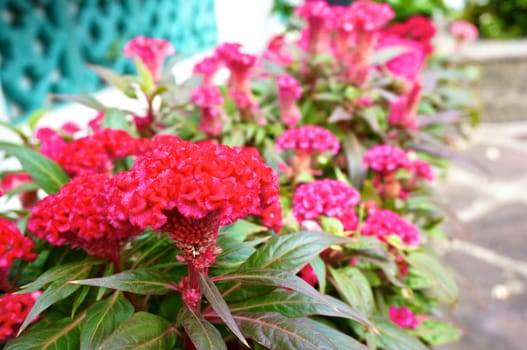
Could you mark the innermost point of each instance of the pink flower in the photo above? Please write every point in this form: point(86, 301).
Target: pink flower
point(12, 181)
point(207, 97)
point(386, 159)
point(77, 216)
point(403, 110)
point(308, 274)
point(409, 63)
point(151, 51)
point(207, 68)
point(422, 169)
point(51, 143)
point(189, 190)
point(418, 28)
point(368, 16)
point(316, 14)
point(95, 124)
point(13, 311)
point(403, 317)
point(308, 139)
point(328, 197)
point(277, 51)
point(289, 91)
point(383, 223)
point(464, 31)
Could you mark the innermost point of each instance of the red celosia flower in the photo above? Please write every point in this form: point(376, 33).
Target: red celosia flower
point(151, 51)
point(13, 311)
point(328, 197)
point(77, 216)
point(464, 31)
point(386, 159)
point(308, 139)
point(207, 68)
point(308, 274)
point(368, 16)
point(51, 142)
point(403, 317)
point(13, 245)
point(383, 223)
point(418, 28)
point(95, 124)
point(189, 190)
point(422, 169)
point(289, 91)
point(12, 181)
point(409, 63)
point(403, 110)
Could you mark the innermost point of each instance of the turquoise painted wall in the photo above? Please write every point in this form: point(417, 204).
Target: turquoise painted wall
point(46, 45)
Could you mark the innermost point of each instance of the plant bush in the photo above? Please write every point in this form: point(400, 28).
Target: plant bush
point(288, 207)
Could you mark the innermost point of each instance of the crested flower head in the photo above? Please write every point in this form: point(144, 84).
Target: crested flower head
point(403, 109)
point(403, 317)
point(418, 28)
point(308, 139)
point(383, 223)
point(206, 96)
point(237, 62)
point(328, 197)
point(317, 14)
point(464, 31)
point(278, 52)
point(207, 67)
point(368, 16)
point(288, 87)
point(76, 216)
point(386, 159)
point(13, 245)
point(407, 64)
point(151, 51)
point(189, 190)
point(13, 311)
point(422, 169)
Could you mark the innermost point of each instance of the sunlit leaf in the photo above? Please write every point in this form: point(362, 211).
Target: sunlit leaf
point(203, 334)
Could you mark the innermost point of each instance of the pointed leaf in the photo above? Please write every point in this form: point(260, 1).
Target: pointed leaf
point(59, 273)
point(46, 173)
point(122, 83)
point(341, 340)
point(219, 305)
point(319, 267)
point(116, 119)
point(140, 281)
point(285, 279)
point(354, 288)
point(277, 332)
point(102, 318)
point(203, 334)
point(392, 337)
point(293, 251)
point(143, 331)
point(60, 335)
point(85, 100)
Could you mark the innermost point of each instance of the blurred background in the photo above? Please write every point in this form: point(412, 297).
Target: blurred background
point(46, 47)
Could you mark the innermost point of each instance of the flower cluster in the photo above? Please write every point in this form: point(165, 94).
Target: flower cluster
point(464, 31)
point(331, 198)
point(13, 310)
point(386, 159)
point(308, 139)
point(403, 317)
point(383, 223)
point(151, 51)
point(418, 28)
point(207, 97)
point(77, 216)
point(289, 91)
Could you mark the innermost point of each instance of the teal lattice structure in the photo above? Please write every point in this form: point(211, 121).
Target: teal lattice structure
point(46, 45)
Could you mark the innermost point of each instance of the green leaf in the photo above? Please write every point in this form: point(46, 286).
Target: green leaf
point(203, 334)
point(35, 117)
point(219, 305)
point(102, 318)
point(354, 287)
point(285, 279)
point(341, 340)
point(116, 119)
point(369, 193)
point(392, 337)
point(143, 331)
point(430, 267)
point(146, 78)
point(62, 334)
point(122, 83)
point(319, 267)
point(435, 332)
point(85, 100)
point(353, 151)
point(293, 251)
point(59, 273)
point(139, 281)
point(384, 55)
point(46, 173)
point(56, 291)
point(332, 225)
point(277, 332)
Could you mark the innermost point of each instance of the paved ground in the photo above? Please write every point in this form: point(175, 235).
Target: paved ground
point(490, 257)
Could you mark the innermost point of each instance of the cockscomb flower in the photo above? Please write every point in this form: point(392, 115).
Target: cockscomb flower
point(151, 51)
point(13, 245)
point(51, 142)
point(383, 223)
point(77, 216)
point(316, 14)
point(464, 31)
point(403, 317)
point(207, 98)
point(418, 28)
point(207, 68)
point(277, 51)
point(308, 274)
point(289, 91)
point(422, 169)
point(308, 139)
point(407, 64)
point(386, 159)
point(331, 198)
point(14, 309)
point(404, 109)
point(12, 181)
point(93, 154)
point(368, 16)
